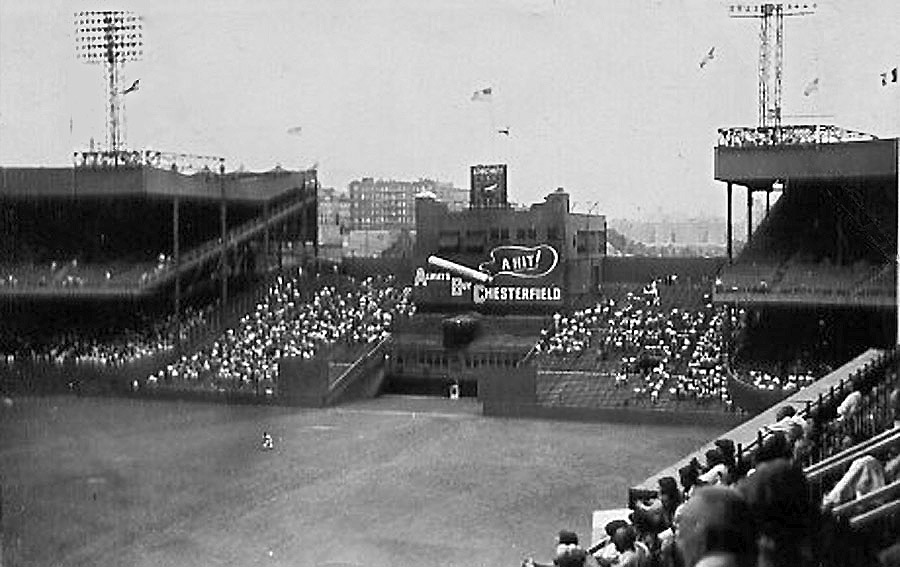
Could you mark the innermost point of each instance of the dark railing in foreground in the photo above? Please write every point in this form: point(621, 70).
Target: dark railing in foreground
point(826, 403)
point(822, 407)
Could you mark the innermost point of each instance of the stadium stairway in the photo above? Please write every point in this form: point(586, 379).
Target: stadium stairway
point(212, 249)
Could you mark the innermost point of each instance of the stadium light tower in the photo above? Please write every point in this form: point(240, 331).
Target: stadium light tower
point(110, 37)
point(771, 51)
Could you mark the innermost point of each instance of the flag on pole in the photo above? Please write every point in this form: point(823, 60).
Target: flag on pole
point(484, 95)
point(710, 55)
point(812, 87)
point(134, 86)
point(889, 77)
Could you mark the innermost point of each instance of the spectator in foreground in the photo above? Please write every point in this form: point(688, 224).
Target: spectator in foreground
point(632, 553)
point(778, 496)
point(895, 407)
point(716, 529)
point(670, 497)
point(865, 475)
point(890, 557)
point(608, 555)
point(569, 553)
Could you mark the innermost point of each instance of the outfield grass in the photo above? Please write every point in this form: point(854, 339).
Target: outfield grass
point(387, 482)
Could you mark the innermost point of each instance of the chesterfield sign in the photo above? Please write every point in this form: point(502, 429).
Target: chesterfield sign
point(487, 294)
point(513, 275)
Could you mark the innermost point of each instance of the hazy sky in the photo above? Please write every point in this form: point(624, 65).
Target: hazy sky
point(603, 97)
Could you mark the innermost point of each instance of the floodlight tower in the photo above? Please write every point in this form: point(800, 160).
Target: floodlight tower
point(771, 51)
point(110, 37)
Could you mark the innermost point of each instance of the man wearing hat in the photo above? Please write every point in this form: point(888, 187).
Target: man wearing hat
point(607, 555)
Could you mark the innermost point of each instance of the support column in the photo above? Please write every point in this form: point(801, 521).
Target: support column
point(749, 214)
point(315, 218)
point(223, 256)
point(729, 226)
point(768, 195)
point(176, 256)
point(280, 241)
point(266, 237)
point(897, 264)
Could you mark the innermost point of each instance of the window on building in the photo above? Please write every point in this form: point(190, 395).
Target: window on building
point(553, 233)
point(475, 240)
point(532, 234)
point(520, 234)
point(448, 241)
point(504, 234)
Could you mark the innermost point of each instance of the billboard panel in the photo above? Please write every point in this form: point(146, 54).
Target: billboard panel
point(508, 278)
point(488, 186)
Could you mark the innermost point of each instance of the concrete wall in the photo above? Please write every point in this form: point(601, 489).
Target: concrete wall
point(760, 165)
point(642, 270)
point(303, 382)
point(141, 181)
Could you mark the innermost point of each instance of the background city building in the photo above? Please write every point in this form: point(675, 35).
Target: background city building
point(334, 222)
point(382, 212)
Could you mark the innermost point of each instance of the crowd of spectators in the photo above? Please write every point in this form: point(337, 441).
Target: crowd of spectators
point(290, 321)
point(147, 158)
point(147, 339)
point(74, 274)
point(663, 352)
point(788, 135)
point(761, 507)
point(657, 351)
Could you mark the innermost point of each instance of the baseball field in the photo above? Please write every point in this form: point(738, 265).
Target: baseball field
point(395, 481)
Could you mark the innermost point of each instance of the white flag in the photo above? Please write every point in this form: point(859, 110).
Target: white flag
point(708, 57)
point(812, 87)
point(484, 95)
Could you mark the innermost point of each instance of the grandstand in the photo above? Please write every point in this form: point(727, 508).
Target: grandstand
point(811, 292)
point(815, 281)
point(830, 238)
point(119, 263)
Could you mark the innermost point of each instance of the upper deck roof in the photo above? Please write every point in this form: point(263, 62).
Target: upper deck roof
point(761, 156)
point(142, 178)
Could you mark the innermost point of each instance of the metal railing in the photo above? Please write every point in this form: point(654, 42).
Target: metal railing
point(125, 159)
point(810, 134)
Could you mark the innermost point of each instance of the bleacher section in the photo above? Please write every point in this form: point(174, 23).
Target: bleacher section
point(656, 346)
point(333, 318)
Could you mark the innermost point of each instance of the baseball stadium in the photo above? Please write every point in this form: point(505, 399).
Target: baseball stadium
point(187, 380)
